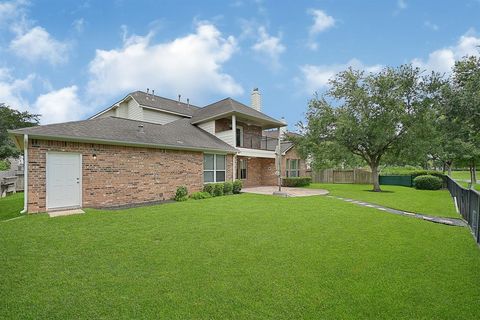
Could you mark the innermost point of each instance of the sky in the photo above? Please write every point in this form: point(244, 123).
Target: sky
point(66, 60)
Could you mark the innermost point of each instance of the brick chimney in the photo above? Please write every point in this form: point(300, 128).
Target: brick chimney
point(256, 100)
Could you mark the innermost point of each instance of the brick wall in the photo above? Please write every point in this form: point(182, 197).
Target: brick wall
point(260, 172)
point(119, 175)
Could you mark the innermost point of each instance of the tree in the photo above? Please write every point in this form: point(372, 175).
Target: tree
point(13, 119)
point(463, 110)
point(375, 114)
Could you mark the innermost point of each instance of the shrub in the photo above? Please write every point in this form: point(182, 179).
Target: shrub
point(296, 181)
point(427, 182)
point(200, 195)
point(181, 194)
point(237, 186)
point(4, 165)
point(209, 188)
point(227, 187)
point(218, 190)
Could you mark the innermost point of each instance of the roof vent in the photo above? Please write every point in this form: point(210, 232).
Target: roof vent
point(148, 90)
point(179, 97)
point(188, 102)
point(140, 128)
point(153, 92)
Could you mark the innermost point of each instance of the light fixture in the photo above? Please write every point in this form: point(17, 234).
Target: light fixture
point(94, 156)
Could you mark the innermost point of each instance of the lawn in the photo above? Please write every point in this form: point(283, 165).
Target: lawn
point(238, 257)
point(463, 175)
point(11, 206)
point(435, 203)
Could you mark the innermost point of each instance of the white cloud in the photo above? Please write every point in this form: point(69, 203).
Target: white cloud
point(59, 105)
point(190, 65)
point(12, 90)
point(269, 46)
point(37, 44)
point(442, 60)
point(321, 22)
point(10, 10)
point(316, 77)
point(430, 25)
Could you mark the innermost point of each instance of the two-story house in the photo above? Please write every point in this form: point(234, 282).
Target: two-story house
point(143, 147)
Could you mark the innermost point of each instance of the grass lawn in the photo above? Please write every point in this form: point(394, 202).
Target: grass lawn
point(11, 206)
point(462, 175)
point(435, 203)
point(238, 257)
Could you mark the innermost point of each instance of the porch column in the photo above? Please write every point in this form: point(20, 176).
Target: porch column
point(278, 158)
point(234, 132)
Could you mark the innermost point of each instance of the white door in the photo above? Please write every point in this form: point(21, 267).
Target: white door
point(64, 185)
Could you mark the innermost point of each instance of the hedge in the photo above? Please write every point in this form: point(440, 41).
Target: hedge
point(296, 181)
point(200, 195)
point(427, 182)
point(181, 194)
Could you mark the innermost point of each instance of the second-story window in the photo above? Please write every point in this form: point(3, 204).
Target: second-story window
point(239, 137)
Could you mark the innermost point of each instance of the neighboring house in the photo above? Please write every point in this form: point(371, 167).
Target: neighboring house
point(143, 147)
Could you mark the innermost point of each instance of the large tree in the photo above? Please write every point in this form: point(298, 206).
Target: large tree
point(373, 114)
point(13, 119)
point(463, 110)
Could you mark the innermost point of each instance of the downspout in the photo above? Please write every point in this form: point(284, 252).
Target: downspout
point(25, 174)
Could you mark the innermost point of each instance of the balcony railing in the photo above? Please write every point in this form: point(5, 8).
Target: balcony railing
point(251, 141)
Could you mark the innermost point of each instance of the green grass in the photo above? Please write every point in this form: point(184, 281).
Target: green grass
point(238, 257)
point(435, 203)
point(466, 185)
point(10, 206)
point(463, 175)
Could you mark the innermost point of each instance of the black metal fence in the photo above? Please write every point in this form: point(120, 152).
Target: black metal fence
point(253, 141)
point(468, 204)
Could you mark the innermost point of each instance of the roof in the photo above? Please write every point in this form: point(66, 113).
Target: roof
point(161, 103)
point(285, 146)
point(179, 134)
point(229, 106)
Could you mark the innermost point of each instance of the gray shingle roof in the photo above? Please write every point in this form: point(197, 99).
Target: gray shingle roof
point(285, 146)
point(157, 102)
point(179, 134)
point(231, 106)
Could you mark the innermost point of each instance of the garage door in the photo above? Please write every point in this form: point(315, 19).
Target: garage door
point(64, 185)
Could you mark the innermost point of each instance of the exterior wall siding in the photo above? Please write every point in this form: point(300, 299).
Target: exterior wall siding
point(208, 126)
point(158, 116)
point(135, 112)
point(119, 175)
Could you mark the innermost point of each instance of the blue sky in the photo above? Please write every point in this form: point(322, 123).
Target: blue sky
point(69, 59)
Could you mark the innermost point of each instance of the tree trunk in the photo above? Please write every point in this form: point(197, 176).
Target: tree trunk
point(449, 164)
point(375, 178)
point(473, 173)
point(444, 167)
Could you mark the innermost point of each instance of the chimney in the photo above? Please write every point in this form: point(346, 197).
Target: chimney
point(256, 100)
point(140, 128)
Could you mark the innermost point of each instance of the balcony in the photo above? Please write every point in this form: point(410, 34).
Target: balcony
point(258, 142)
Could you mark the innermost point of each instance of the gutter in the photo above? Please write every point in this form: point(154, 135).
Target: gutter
point(25, 174)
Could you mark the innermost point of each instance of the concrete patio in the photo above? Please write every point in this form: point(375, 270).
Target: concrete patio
point(291, 192)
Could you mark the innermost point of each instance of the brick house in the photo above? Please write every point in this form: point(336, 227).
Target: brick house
point(143, 147)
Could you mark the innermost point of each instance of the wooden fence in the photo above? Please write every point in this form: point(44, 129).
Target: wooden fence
point(342, 176)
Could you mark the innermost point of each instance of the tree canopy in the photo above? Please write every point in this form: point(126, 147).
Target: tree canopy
point(13, 119)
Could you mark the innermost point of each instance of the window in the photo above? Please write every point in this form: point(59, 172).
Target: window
point(239, 136)
point(292, 169)
point(214, 168)
point(242, 169)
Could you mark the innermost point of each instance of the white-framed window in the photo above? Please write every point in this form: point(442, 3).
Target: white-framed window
point(239, 136)
point(242, 169)
point(293, 168)
point(214, 167)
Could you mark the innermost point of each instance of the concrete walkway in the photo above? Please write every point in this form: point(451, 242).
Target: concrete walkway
point(291, 192)
point(446, 221)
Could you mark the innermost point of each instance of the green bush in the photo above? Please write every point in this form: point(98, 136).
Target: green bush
point(427, 182)
point(218, 190)
point(296, 181)
point(4, 165)
point(200, 195)
point(237, 186)
point(209, 188)
point(227, 187)
point(181, 194)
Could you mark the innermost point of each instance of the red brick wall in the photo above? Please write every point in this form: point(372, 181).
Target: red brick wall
point(260, 172)
point(120, 175)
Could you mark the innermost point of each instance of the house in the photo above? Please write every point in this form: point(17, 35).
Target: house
point(143, 147)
